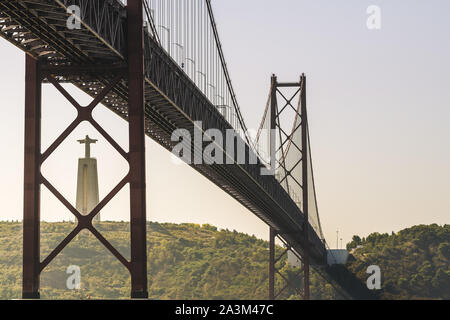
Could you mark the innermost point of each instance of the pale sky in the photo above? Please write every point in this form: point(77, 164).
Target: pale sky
point(379, 113)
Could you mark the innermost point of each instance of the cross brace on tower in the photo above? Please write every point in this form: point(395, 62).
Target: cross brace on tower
point(284, 171)
point(133, 71)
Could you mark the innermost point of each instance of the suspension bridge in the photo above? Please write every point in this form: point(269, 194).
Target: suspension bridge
point(159, 64)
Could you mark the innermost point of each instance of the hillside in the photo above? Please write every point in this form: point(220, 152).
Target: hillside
point(185, 261)
point(414, 263)
point(189, 261)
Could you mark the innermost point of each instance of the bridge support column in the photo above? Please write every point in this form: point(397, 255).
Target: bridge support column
point(31, 206)
point(273, 114)
point(272, 264)
point(285, 174)
point(33, 178)
point(305, 159)
point(136, 105)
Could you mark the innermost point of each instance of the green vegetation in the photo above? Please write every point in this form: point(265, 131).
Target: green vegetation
point(185, 261)
point(415, 262)
point(190, 261)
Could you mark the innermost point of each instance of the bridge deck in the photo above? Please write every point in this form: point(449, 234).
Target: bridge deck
point(38, 27)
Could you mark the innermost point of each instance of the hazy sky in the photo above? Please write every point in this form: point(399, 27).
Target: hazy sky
point(379, 112)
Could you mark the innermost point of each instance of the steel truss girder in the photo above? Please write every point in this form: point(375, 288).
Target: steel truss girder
point(39, 28)
point(107, 19)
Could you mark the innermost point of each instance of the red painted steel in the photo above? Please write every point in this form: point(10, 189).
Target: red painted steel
point(305, 189)
point(272, 264)
point(136, 118)
point(275, 124)
point(32, 267)
point(31, 206)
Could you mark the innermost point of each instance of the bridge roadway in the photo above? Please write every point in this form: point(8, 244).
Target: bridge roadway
point(173, 101)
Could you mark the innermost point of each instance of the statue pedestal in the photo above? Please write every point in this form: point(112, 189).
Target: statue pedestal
point(87, 186)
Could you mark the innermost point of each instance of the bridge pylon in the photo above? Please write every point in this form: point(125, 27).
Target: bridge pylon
point(289, 155)
point(110, 76)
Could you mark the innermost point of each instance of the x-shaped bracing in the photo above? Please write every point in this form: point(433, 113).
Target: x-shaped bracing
point(83, 222)
point(288, 284)
point(288, 137)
